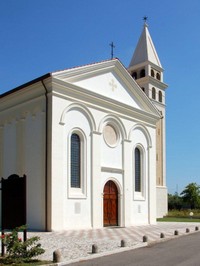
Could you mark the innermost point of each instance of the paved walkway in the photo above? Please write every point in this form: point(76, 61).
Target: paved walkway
point(77, 244)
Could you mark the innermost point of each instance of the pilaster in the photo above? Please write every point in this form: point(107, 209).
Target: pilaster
point(96, 202)
point(151, 177)
point(20, 149)
point(1, 150)
point(128, 184)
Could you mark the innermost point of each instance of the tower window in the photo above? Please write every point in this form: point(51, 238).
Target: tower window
point(142, 73)
point(160, 96)
point(153, 93)
point(152, 73)
point(158, 76)
point(134, 75)
point(75, 161)
point(143, 89)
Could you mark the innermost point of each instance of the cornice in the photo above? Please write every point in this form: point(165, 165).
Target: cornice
point(25, 85)
point(143, 64)
point(83, 72)
point(150, 80)
point(23, 95)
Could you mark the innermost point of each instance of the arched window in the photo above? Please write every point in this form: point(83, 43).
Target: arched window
point(75, 161)
point(158, 76)
point(160, 96)
point(137, 170)
point(153, 93)
point(134, 75)
point(142, 73)
point(152, 73)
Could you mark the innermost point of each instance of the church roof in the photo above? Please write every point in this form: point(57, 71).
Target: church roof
point(145, 50)
point(47, 75)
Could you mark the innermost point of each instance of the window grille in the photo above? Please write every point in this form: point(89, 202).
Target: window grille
point(75, 161)
point(137, 170)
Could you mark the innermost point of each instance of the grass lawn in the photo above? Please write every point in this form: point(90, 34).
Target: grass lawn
point(179, 219)
point(30, 263)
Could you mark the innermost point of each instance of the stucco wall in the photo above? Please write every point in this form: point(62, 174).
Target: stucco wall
point(23, 152)
point(161, 201)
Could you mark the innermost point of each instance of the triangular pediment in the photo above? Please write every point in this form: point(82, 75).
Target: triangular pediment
point(108, 79)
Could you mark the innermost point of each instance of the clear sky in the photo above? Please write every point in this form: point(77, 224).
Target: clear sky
point(41, 36)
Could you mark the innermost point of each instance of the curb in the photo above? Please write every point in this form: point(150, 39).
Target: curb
point(101, 254)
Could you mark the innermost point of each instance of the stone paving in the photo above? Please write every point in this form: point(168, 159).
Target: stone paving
point(77, 244)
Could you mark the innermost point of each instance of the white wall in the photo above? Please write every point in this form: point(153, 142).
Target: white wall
point(161, 201)
point(23, 152)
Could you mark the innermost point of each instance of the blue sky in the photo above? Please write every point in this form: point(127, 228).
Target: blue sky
point(42, 36)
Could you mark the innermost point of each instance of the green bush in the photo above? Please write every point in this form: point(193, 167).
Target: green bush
point(18, 251)
point(183, 213)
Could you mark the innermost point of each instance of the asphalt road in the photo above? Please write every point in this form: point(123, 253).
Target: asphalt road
point(182, 251)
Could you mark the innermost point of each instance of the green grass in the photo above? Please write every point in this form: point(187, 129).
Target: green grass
point(178, 219)
point(181, 216)
point(30, 263)
point(184, 213)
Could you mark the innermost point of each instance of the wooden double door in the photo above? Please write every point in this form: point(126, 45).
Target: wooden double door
point(110, 204)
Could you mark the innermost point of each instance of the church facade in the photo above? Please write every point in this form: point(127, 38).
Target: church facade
point(91, 141)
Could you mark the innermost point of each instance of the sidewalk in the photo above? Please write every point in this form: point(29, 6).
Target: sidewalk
point(77, 244)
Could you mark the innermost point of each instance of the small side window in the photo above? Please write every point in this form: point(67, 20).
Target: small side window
point(137, 170)
point(75, 161)
point(160, 96)
point(153, 93)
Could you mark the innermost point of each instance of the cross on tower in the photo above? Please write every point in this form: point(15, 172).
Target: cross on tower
point(112, 48)
point(145, 18)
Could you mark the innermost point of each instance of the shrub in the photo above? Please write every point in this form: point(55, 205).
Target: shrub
point(184, 213)
point(19, 251)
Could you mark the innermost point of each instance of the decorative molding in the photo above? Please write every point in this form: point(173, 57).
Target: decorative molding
point(83, 109)
point(112, 170)
point(145, 132)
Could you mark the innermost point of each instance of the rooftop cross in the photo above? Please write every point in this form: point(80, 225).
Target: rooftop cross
point(112, 48)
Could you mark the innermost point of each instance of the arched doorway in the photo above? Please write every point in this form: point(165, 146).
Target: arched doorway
point(110, 204)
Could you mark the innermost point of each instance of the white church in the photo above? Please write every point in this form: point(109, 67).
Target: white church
point(91, 141)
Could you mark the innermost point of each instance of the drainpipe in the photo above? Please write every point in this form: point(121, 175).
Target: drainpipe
point(46, 156)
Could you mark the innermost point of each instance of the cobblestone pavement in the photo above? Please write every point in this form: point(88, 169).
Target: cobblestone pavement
point(77, 244)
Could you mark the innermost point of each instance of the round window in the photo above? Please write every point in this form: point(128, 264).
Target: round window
point(110, 135)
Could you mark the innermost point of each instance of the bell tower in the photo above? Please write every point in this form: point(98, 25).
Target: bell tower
point(146, 69)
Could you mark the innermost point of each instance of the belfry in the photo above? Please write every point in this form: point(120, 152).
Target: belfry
point(146, 69)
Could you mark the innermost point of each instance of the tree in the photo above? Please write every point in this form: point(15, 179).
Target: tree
point(175, 202)
point(191, 195)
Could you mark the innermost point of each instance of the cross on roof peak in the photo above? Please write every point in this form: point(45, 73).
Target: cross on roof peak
point(112, 49)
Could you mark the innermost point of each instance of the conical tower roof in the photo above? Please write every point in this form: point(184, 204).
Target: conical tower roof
point(145, 50)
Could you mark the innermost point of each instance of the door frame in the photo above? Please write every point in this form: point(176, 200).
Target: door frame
point(120, 204)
